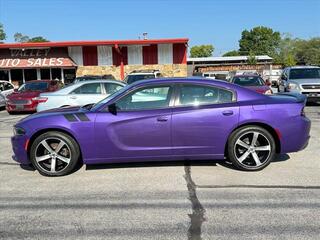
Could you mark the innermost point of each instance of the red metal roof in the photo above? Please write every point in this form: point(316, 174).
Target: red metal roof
point(93, 43)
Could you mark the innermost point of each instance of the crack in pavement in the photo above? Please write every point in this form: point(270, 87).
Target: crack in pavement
point(198, 212)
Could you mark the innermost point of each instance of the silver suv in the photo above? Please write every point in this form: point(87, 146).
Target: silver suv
point(301, 79)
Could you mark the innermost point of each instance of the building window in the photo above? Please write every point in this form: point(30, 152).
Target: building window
point(17, 76)
point(56, 73)
point(69, 75)
point(30, 74)
point(45, 73)
point(4, 75)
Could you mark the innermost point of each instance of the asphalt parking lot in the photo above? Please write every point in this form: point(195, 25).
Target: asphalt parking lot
point(175, 200)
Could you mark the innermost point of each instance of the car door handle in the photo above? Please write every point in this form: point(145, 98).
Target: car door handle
point(227, 112)
point(162, 119)
point(73, 97)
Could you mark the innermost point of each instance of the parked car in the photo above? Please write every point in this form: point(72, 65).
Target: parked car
point(79, 94)
point(26, 98)
point(6, 88)
point(94, 77)
point(221, 75)
point(164, 119)
point(253, 82)
point(142, 75)
point(301, 79)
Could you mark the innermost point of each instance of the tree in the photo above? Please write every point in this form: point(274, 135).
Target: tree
point(286, 51)
point(231, 53)
point(252, 58)
point(38, 39)
point(202, 51)
point(308, 51)
point(259, 41)
point(19, 37)
point(2, 33)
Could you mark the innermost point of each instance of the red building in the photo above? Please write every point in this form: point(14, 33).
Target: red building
point(20, 62)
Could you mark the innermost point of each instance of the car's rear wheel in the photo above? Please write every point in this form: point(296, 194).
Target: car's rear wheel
point(251, 148)
point(54, 154)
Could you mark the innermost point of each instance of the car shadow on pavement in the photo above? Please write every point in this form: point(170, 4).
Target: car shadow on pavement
point(153, 164)
point(225, 163)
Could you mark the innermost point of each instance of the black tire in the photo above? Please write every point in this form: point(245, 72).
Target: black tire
point(236, 151)
point(70, 148)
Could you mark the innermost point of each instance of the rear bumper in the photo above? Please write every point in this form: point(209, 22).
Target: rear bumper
point(296, 135)
point(18, 147)
point(21, 108)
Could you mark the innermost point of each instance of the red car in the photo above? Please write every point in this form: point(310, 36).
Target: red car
point(253, 82)
point(25, 99)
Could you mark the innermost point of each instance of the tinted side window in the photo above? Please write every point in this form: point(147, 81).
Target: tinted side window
point(112, 88)
point(92, 88)
point(200, 95)
point(7, 86)
point(146, 98)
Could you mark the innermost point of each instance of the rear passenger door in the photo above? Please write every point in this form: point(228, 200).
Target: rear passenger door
point(110, 88)
point(202, 119)
point(86, 94)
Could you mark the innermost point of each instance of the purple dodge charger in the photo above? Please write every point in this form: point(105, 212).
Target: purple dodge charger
point(165, 119)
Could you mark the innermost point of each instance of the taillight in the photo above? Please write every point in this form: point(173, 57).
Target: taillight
point(39, 99)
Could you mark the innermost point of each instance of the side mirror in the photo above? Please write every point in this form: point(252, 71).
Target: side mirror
point(283, 77)
point(112, 108)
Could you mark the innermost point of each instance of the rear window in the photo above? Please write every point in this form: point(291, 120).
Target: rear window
point(34, 86)
point(248, 81)
point(304, 73)
point(137, 77)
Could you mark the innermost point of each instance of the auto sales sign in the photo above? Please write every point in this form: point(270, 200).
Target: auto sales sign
point(34, 58)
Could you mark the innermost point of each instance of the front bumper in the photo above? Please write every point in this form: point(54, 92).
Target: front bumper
point(19, 143)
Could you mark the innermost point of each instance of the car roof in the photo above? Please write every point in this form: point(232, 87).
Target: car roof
point(100, 81)
point(301, 67)
point(246, 75)
point(195, 80)
point(42, 80)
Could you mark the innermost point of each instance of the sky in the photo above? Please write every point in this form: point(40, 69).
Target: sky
point(217, 22)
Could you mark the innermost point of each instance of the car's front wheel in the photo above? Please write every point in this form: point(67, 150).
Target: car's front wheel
point(54, 154)
point(251, 148)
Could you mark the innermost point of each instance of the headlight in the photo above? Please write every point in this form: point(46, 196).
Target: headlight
point(18, 131)
point(293, 86)
point(268, 92)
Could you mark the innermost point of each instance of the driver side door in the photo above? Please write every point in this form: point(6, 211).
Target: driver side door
point(140, 128)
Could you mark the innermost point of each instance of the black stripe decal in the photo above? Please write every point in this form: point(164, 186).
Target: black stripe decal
point(82, 117)
point(70, 117)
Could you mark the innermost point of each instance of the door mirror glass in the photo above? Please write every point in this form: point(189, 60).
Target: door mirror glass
point(112, 108)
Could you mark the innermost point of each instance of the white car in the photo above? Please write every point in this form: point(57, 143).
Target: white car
point(138, 75)
point(6, 88)
point(79, 94)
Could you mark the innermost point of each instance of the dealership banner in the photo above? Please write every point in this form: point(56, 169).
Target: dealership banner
point(36, 62)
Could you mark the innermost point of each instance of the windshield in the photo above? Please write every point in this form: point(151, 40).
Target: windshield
point(304, 73)
point(34, 86)
point(137, 77)
point(248, 81)
point(107, 99)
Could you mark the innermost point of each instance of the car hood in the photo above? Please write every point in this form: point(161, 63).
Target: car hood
point(306, 81)
point(23, 95)
point(54, 112)
point(259, 89)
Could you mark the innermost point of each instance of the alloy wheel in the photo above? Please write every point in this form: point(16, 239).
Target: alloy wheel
point(252, 149)
point(53, 155)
